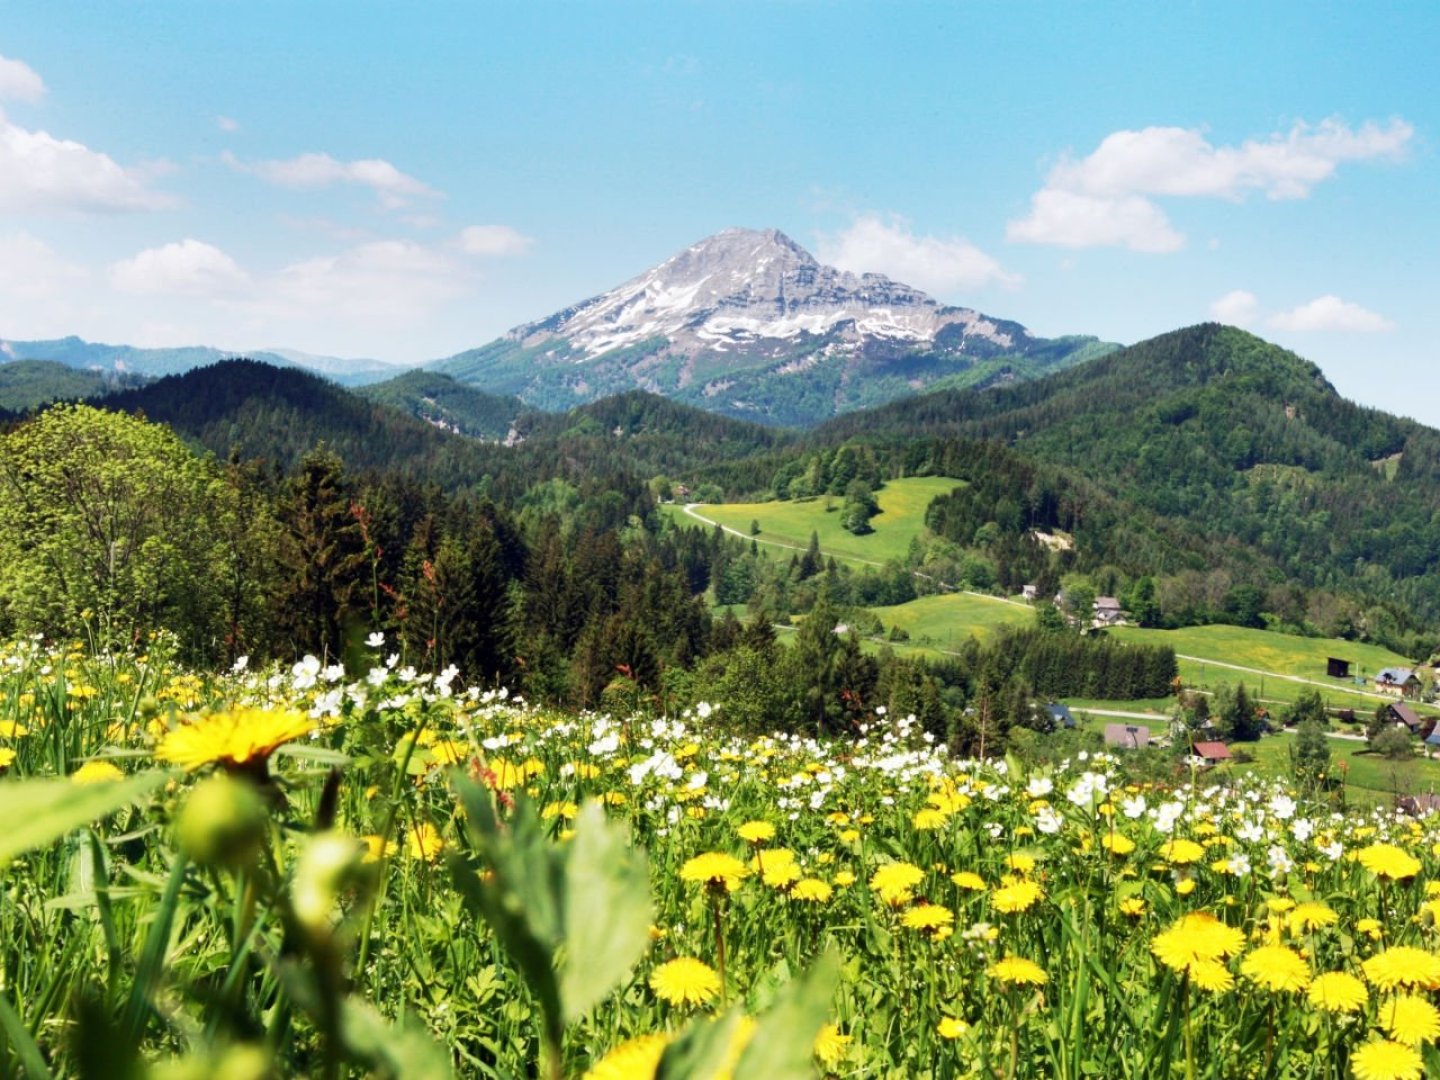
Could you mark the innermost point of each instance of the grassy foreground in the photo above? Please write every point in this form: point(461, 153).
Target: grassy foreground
point(300, 872)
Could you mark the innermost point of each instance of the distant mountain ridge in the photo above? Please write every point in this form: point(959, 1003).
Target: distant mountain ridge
point(750, 324)
point(85, 355)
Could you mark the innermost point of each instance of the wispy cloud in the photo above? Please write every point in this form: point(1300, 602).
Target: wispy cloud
point(1107, 198)
point(875, 244)
point(227, 123)
point(394, 188)
point(493, 241)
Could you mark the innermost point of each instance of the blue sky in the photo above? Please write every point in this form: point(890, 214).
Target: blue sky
point(409, 181)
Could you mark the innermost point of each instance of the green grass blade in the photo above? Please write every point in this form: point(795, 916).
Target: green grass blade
point(152, 960)
point(32, 1064)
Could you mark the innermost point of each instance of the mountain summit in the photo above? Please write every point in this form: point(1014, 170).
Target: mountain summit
point(747, 322)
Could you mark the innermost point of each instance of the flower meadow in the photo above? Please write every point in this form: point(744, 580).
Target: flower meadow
point(299, 872)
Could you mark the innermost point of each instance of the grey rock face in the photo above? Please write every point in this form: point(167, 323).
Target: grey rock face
point(742, 287)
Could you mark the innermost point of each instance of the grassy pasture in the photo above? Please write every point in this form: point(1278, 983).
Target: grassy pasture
point(789, 523)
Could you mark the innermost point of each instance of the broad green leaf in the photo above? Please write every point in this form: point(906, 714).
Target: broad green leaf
point(521, 897)
point(702, 1050)
point(390, 1049)
point(607, 911)
point(38, 812)
point(782, 1047)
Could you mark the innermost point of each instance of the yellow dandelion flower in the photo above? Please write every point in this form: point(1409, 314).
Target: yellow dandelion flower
point(12, 729)
point(1338, 992)
point(1381, 1059)
point(811, 890)
point(1403, 965)
point(1020, 862)
point(951, 1028)
point(1211, 976)
point(424, 842)
point(1312, 916)
point(756, 832)
point(830, 1045)
point(238, 738)
point(685, 981)
point(1388, 861)
point(849, 836)
point(895, 882)
point(1016, 897)
point(1275, 967)
point(1181, 852)
point(1117, 844)
point(1410, 1020)
point(1371, 928)
point(96, 772)
point(780, 875)
point(1185, 886)
point(715, 870)
point(844, 878)
point(929, 819)
point(449, 752)
point(376, 846)
point(564, 810)
point(1196, 937)
point(630, 1060)
point(968, 880)
point(1132, 906)
point(928, 918)
point(1278, 905)
point(1016, 970)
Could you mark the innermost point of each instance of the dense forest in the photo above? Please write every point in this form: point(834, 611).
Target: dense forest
point(1229, 484)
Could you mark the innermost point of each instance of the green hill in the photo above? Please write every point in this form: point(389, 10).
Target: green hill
point(442, 401)
point(24, 384)
point(1237, 447)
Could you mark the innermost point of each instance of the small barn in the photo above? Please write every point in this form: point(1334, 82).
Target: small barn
point(1398, 680)
point(1402, 713)
point(1060, 715)
point(1127, 736)
point(1210, 753)
point(1337, 668)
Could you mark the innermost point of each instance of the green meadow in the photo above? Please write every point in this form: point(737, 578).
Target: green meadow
point(790, 523)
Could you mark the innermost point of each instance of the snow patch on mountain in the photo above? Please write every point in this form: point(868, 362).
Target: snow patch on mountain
point(745, 287)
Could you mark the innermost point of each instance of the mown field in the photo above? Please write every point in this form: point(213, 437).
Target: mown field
point(946, 620)
point(305, 871)
point(790, 523)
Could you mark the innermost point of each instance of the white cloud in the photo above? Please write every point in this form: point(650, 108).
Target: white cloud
point(1236, 308)
point(41, 292)
point(1075, 220)
point(19, 82)
point(493, 241)
point(309, 171)
point(1105, 199)
point(30, 269)
point(388, 280)
point(875, 245)
point(1330, 313)
point(39, 172)
point(188, 268)
point(227, 123)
